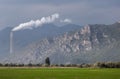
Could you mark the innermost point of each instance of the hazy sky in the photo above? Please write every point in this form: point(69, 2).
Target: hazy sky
point(14, 12)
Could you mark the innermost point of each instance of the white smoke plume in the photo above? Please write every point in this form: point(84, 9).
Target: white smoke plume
point(34, 24)
point(66, 21)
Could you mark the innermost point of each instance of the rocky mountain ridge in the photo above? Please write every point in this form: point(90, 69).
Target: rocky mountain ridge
point(22, 38)
point(89, 44)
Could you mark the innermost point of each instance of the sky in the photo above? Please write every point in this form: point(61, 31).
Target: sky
point(82, 12)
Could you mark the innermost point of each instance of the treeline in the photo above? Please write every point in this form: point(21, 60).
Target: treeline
point(107, 64)
point(95, 65)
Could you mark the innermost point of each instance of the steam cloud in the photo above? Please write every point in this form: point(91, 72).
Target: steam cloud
point(66, 21)
point(34, 24)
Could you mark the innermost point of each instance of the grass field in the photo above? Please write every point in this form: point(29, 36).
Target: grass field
point(58, 73)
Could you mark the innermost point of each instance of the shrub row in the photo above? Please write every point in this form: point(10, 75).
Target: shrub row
point(95, 65)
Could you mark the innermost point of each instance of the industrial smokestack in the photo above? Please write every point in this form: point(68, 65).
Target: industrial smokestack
point(11, 42)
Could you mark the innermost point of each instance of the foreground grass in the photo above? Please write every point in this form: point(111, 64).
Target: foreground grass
point(58, 73)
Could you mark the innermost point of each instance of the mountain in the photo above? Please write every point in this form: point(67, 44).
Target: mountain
point(24, 37)
point(89, 44)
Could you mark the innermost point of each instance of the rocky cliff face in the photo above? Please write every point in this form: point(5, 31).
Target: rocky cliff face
point(22, 38)
point(89, 44)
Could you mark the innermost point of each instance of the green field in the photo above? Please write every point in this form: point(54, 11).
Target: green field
point(58, 73)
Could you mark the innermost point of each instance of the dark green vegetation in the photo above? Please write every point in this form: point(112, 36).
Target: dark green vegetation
point(47, 61)
point(58, 73)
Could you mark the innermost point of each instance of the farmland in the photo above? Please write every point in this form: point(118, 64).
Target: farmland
point(59, 73)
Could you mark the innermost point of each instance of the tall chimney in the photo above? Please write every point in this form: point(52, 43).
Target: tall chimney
point(11, 42)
